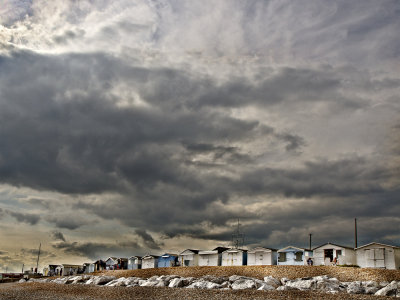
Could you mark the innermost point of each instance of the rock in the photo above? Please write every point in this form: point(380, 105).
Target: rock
point(201, 284)
point(226, 285)
point(243, 284)
point(148, 283)
point(390, 290)
point(371, 290)
point(162, 283)
point(153, 278)
point(22, 280)
point(233, 278)
point(370, 283)
point(272, 281)
point(266, 287)
point(322, 278)
point(215, 279)
point(101, 280)
point(383, 284)
point(303, 285)
point(355, 288)
point(176, 283)
point(132, 281)
point(61, 280)
point(167, 278)
point(117, 282)
point(330, 286)
point(284, 280)
point(76, 279)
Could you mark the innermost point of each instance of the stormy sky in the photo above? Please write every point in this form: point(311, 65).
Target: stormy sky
point(144, 126)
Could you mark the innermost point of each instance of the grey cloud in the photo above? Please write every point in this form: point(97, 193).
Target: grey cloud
point(148, 240)
point(201, 147)
point(99, 250)
point(31, 219)
point(44, 203)
point(57, 235)
point(70, 222)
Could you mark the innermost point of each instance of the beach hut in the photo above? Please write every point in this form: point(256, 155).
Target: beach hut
point(168, 260)
point(294, 256)
point(325, 254)
point(211, 257)
point(261, 256)
point(99, 265)
point(189, 258)
point(111, 263)
point(68, 269)
point(377, 255)
point(149, 261)
point(86, 268)
point(234, 257)
point(122, 263)
point(134, 262)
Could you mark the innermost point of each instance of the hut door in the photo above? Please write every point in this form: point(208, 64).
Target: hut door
point(375, 258)
point(380, 258)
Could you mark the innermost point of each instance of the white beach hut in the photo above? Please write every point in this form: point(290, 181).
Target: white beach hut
point(294, 256)
point(189, 258)
point(134, 262)
point(324, 255)
point(211, 257)
point(111, 263)
point(260, 256)
point(234, 257)
point(149, 261)
point(377, 255)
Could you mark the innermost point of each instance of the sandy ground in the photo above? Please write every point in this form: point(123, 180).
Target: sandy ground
point(89, 292)
point(25, 291)
point(291, 272)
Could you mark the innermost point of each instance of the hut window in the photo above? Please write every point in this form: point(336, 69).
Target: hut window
point(282, 256)
point(338, 252)
point(299, 256)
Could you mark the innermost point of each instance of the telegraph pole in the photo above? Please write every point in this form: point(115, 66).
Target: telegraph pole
point(355, 233)
point(37, 262)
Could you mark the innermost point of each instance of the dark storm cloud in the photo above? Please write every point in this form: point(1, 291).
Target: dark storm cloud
point(57, 235)
point(63, 129)
point(63, 136)
point(99, 250)
point(70, 222)
point(148, 240)
point(31, 219)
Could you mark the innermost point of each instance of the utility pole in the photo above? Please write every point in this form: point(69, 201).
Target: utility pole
point(37, 262)
point(310, 234)
point(237, 237)
point(355, 232)
point(22, 268)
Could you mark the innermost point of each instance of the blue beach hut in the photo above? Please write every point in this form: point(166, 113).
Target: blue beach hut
point(167, 260)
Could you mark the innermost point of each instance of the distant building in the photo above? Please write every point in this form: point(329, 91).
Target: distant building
point(377, 255)
point(67, 269)
point(99, 265)
point(149, 261)
point(168, 260)
point(111, 263)
point(134, 262)
point(189, 258)
point(261, 256)
point(325, 254)
point(234, 257)
point(294, 256)
point(211, 257)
